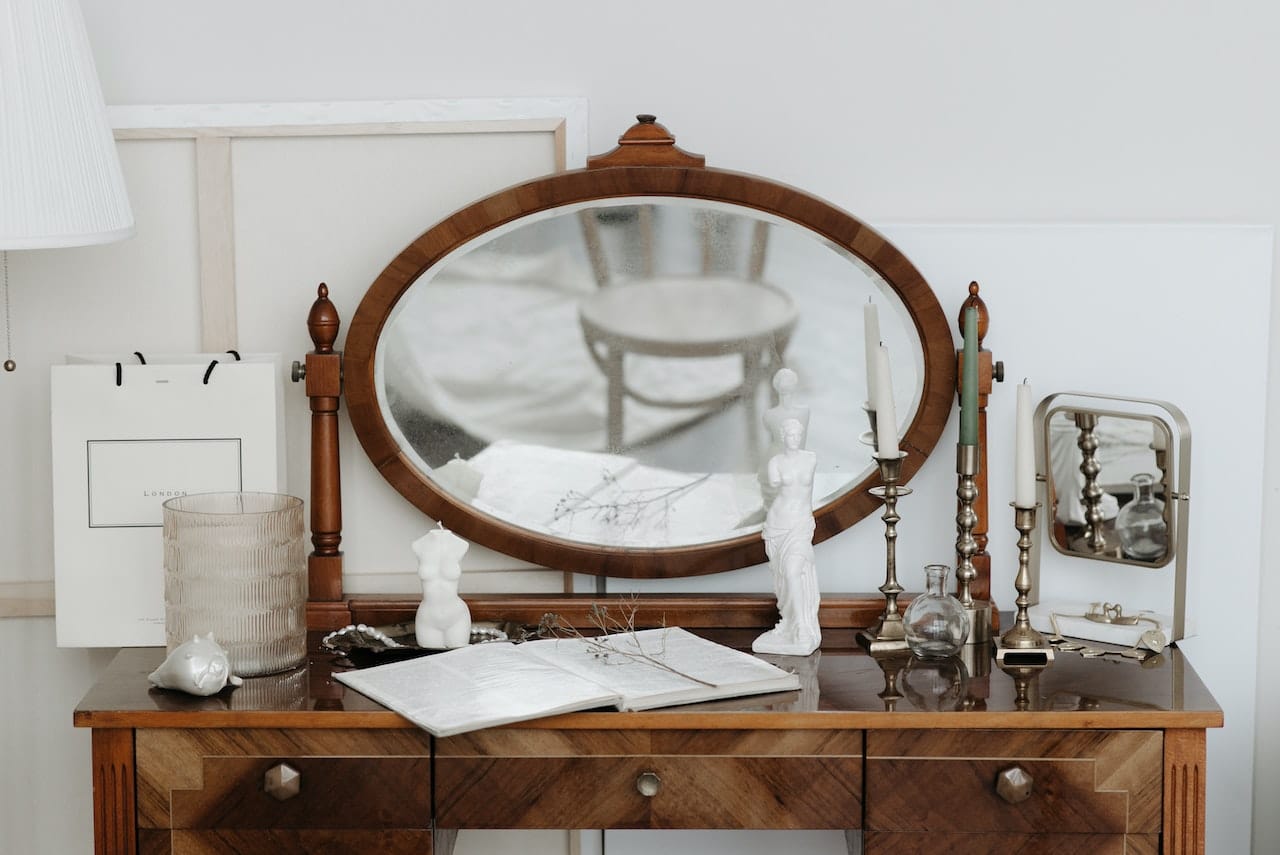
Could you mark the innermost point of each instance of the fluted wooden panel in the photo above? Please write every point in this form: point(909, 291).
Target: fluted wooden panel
point(920, 843)
point(1084, 781)
point(1184, 792)
point(113, 791)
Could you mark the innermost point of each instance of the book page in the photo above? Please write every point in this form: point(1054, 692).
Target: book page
point(663, 667)
point(483, 685)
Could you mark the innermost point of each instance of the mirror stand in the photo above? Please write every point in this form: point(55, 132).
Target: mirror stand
point(736, 617)
point(646, 172)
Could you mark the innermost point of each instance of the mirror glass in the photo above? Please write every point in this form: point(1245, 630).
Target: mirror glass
point(1110, 486)
point(602, 372)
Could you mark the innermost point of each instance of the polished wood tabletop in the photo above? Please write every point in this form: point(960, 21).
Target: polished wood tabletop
point(840, 689)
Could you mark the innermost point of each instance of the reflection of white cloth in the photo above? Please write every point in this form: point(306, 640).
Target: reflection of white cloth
point(611, 499)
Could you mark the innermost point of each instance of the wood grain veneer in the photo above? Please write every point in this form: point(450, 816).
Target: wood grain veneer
point(1085, 781)
point(726, 779)
point(212, 779)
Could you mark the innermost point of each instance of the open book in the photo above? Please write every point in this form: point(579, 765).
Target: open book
point(486, 685)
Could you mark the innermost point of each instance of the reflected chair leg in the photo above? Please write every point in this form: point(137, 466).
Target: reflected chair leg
point(613, 417)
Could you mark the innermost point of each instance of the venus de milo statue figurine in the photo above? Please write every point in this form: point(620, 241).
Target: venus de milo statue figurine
point(443, 619)
point(788, 541)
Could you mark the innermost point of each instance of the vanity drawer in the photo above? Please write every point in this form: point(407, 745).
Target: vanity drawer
point(514, 778)
point(1082, 782)
point(209, 788)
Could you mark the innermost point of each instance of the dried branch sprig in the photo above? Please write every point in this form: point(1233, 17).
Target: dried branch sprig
point(622, 506)
point(611, 625)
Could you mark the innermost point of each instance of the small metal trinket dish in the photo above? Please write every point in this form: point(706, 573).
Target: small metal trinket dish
point(363, 642)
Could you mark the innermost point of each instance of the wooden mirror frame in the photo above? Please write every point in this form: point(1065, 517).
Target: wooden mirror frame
point(645, 163)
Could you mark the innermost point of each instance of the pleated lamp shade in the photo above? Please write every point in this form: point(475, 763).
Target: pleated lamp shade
point(60, 179)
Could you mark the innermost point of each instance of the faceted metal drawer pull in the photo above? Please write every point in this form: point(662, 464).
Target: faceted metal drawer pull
point(282, 781)
point(1014, 785)
point(648, 784)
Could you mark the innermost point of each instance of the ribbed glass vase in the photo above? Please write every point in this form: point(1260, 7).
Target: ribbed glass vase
point(235, 565)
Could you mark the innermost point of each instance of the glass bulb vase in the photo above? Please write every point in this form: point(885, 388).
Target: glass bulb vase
point(1143, 531)
point(935, 622)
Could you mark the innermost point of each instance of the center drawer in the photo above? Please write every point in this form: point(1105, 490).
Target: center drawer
point(529, 778)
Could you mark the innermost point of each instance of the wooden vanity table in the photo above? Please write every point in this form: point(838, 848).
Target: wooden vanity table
point(1088, 756)
point(905, 761)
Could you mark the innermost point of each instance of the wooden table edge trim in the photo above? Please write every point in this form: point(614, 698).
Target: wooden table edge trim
point(676, 720)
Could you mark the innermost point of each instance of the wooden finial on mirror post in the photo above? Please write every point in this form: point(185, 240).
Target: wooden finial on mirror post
point(989, 373)
point(324, 389)
point(647, 143)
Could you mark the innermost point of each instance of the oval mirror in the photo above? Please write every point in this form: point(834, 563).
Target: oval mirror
point(584, 371)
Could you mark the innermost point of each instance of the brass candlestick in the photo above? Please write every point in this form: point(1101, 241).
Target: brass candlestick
point(1022, 645)
point(979, 613)
point(1091, 494)
point(887, 634)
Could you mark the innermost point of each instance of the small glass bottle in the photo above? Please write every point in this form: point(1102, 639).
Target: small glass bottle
point(1144, 534)
point(935, 622)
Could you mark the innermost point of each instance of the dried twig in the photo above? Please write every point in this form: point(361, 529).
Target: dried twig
point(610, 626)
point(620, 505)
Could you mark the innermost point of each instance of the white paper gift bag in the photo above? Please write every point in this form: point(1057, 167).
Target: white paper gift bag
point(127, 436)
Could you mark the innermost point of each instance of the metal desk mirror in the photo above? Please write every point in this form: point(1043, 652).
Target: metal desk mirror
point(1116, 475)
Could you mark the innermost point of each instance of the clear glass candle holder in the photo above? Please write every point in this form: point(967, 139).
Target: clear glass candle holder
point(235, 566)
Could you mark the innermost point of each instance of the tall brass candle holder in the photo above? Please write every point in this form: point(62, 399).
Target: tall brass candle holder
point(887, 634)
point(979, 613)
point(1022, 645)
point(1091, 494)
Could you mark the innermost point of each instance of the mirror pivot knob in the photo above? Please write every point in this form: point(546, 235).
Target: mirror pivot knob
point(997, 371)
point(648, 784)
point(299, 372)
point(1014, 785)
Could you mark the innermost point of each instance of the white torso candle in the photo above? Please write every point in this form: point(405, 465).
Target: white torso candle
point(886, 417)
point(871, 341)
point(1024, 452)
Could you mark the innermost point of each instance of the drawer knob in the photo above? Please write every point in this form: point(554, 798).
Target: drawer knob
point(1014, 785)
point(282, 781)
point(648, 784)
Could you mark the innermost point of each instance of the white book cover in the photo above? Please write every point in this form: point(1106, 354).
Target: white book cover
point(124, 440)
point(486, 685)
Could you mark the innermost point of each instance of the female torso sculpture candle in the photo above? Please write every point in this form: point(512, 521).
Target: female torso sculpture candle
point(443, 619)
point(788, 541)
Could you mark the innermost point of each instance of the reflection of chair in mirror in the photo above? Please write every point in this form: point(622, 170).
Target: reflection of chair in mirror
point(672, 295)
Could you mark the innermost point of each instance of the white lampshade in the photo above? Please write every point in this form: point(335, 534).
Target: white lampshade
point(60, 179)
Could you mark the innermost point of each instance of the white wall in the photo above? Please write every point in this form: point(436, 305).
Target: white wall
point(982, 111)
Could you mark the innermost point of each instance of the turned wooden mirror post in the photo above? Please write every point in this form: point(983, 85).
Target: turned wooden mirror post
point(323, 373)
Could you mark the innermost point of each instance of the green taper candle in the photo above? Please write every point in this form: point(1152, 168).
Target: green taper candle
point(969, 380)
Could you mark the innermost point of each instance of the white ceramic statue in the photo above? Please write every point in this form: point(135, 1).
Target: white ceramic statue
point(197, 667)
point(784, 383)
point(443, 619)
point(788, 541)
